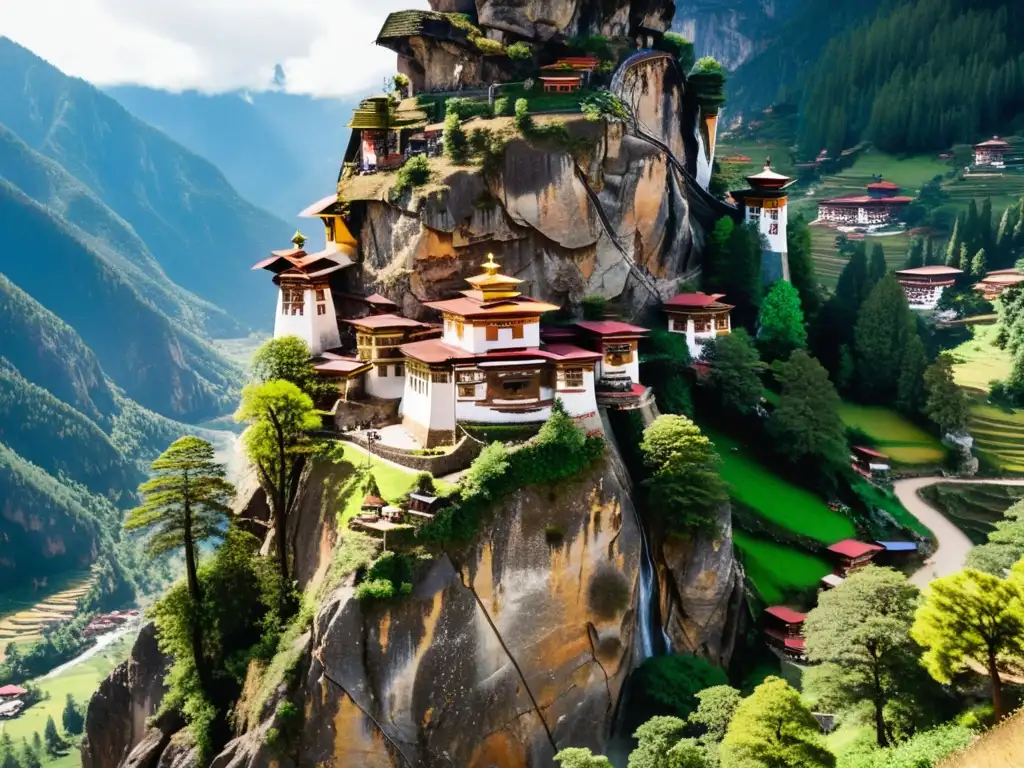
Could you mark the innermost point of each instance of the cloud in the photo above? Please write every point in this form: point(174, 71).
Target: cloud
point(324, 46)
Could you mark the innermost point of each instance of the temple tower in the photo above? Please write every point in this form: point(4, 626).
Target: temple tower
point(765, 204)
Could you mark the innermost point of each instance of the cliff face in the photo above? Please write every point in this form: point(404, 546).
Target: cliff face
point(730, 30)
point(609, 219)
point(543, 19)
point(517, 643)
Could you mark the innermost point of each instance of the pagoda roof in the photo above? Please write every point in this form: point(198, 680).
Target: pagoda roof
point(864, 199)
point(768, 178)
point(328, 206)
point(378, 300)
point(1002, 279)
point(378, 322)
point(1009, 271)
point(12, 690)
point(611, 328)
point(433, 351)
point(374, 501)
point(853, 549)
point(883, 185)
point(994, 142)
point(786, 615)
point(298, 261)
point(471, 307)
point(930, 270)
point(793, 643)
point(698, 300)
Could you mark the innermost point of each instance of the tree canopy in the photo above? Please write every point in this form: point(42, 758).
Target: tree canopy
point(885, 327)
point(734, 380)
point(288, 358)
point(946, 404)
point(781, 328)
point(773, 728)
point(859, 634)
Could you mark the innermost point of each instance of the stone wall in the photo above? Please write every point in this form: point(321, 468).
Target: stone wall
point(458, 459)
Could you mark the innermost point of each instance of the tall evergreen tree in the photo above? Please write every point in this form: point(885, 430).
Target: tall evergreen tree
point(915, 254)
point(734, 380)
point(965, 259)
point(978, 265)
point(930, 257)
point(910, 391)
point(801, 265)
point(877, 268)
point(885, 326)
point(946, 405)
point(953, 247)
point(54, 743)
point(185, 502)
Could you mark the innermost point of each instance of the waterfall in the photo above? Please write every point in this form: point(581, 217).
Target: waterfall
point(654, 641)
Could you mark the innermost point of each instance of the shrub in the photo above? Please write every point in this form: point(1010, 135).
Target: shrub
point(501, 106)
point(708, 80)
point(523, 120)
point(519, 52)
point(488, 47)
point(679, 47)
point(593, 307)
point(456, 146)
point(414, 173)
point(391, 575)
point(604, 105)
point(594, 45)
point(466, 108)
point(978, 718)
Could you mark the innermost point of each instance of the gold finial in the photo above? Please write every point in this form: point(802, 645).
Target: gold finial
point(298, 239)
point(490, 266)
point(768, 163)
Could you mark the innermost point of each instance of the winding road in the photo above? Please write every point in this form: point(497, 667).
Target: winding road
point(953, 545)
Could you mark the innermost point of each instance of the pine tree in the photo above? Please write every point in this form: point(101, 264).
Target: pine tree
point(877, 268)
point(965, 259)
point(71, 717)
point(801, 265)
point(187, 501)
point(978, 268)
point(930, 257)
point(54, 743)
point(910, 392)
point(8, 759)
point(946, 405)
point(953, 247)
point(28, 757)
point(885, 326)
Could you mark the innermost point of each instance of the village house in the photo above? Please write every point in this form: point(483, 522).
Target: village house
point(991, 153)
point(867, 461)
point(783, 629)
point(881, 205)
point(382, 134)
point(850, 555)
point(701, 317)
point(994, 283)
point(924, 285)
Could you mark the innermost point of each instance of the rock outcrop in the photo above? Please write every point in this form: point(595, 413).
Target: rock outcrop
point(117, 731)
point(544, 19)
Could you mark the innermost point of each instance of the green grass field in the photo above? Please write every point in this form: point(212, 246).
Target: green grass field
point(775, 499)
point(776, 570)
point(25, 611)
point(828, 264)
point(903, 441)
point(974, 509)
point(81, 682)
point(998, 435)
point(978, 361)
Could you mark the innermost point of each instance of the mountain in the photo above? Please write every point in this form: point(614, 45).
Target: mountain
point(200, 231)
point(730, 30)
point(279, 150)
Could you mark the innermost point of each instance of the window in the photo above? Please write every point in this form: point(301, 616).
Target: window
point(400, 370)
point(291, 300)
point(321, 309)
point(440, 377)
point(517, 331)
point(459, 328)
point(467, 391)
point(773, 229)
point(754, 213)
point(773, 214)
point(417, 380)
point(492, 333)
point(320, 294)
point(702, 324)
point(679, 324)
point(722, 322)
point(618, 354)
point(382, 371)
point(570, 378)
point(470, 377)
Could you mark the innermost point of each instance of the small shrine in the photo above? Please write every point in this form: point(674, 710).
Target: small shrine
point(701, 317)
point(991, 153)
point(784, 630)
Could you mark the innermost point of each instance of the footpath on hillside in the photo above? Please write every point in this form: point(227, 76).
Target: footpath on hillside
point(953, 545)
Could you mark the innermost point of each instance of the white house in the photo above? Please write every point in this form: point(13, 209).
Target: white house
point(701, 317)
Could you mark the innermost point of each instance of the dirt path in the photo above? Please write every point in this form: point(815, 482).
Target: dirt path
point(953, 545)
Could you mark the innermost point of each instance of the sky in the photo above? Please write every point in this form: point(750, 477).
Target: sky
point(324, 46)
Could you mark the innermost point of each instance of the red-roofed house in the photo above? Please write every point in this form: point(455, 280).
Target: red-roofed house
point(924, 285)
point(991, 153)
point(881, 205)
point(700, 317)
point(11, 692)
point(490, 365)
point(867, 461)
point(851, 554)
point(783, 628)
point(617, 343)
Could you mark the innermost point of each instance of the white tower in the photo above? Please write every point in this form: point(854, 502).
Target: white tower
point(765, 204)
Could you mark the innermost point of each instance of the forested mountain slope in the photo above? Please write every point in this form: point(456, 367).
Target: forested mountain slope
point(200, 231)
point(279, 150)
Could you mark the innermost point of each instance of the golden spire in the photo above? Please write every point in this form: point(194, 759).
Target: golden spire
point(491, 284)
point(490, 266)
point(298, 239)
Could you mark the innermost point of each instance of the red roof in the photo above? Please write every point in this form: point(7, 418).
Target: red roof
point(931, 269)
point(374, 322)
point(786, 615)
point(376, 298)
point(466, 307)
point(611, 328)
point(570, 352)
point(860, 199)
point(342, 366)
point(994, 142)
point(374, 501)
point(883, 185)
point(694, 300)
point(561, 78)
point(12, 690)
point(434, 351)
point(869, 451)
point(853, 548)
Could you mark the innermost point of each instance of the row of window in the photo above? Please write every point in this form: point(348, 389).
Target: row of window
point(703, 324)
point(382, 370)
point(293, 301)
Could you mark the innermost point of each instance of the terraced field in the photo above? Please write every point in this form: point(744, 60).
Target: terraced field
point(978, 361)
point(828, 263)
point(998, 436)
point(23, 615)
point(900, 439)
point(777, 571)
point(974, 509)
